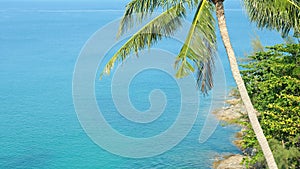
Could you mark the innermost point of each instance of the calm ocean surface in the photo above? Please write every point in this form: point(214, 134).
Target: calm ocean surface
point(39, 45)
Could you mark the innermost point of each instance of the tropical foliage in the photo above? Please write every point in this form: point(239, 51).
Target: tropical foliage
point(200, 45)
point(272, 79)
point(281, 15)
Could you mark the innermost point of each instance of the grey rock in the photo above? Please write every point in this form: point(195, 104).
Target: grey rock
point(232, 162)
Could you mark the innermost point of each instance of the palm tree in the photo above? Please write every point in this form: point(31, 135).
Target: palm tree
point(199, 48)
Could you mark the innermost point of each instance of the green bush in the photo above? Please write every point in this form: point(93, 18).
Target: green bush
point(272, 79)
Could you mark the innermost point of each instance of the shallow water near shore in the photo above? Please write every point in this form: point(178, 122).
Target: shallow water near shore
point(40, 42)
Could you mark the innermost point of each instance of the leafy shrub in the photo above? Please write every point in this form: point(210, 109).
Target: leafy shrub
point(272, 79)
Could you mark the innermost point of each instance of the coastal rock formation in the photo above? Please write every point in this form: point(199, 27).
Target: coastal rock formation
point(232, 162)
point(231, 114)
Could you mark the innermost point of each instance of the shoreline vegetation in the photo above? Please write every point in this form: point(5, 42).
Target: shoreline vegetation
point(272, 80)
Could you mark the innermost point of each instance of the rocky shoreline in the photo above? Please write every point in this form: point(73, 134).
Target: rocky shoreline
point(231, 114)
point(230, 162)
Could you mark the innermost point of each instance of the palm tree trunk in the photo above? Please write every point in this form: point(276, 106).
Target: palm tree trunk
point(241, 87)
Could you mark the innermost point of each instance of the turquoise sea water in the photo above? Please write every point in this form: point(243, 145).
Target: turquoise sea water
point(39, 45)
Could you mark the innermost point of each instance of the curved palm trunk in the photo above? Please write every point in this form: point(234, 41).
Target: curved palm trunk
point(241, 87)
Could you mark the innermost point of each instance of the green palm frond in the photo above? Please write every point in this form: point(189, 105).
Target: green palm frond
point(163, 25)
point(295, 3)
point(199, 48)
point(281, 15)
point(143, 8)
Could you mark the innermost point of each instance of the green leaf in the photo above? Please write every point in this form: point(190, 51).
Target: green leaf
point(163, 25)
point(281, 15)
point(144, 8)
point(199, 48)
